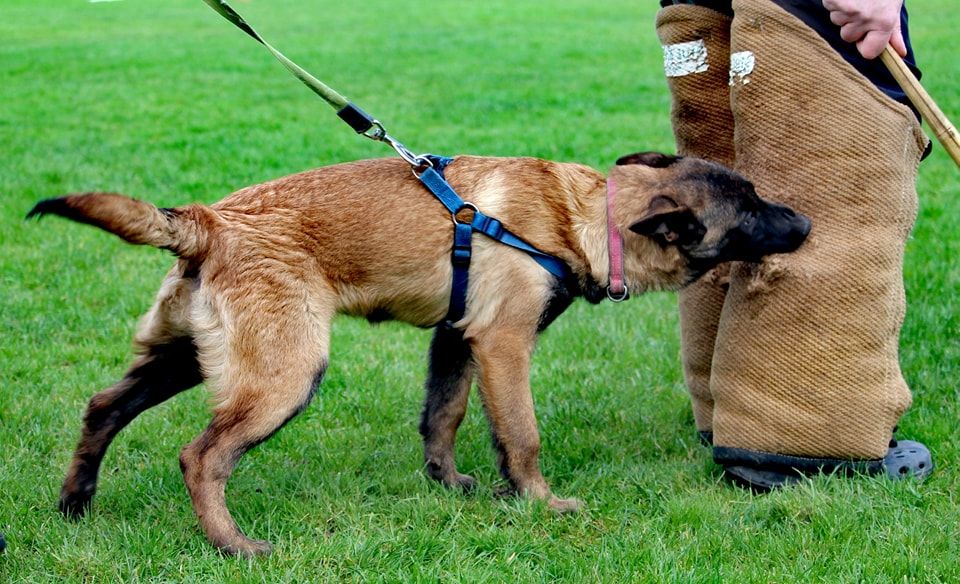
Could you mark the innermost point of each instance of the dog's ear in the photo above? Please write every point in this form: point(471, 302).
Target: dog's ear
point(668, 222)
point(652, 159)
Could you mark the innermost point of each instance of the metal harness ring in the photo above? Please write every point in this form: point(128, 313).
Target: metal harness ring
point(466, 205)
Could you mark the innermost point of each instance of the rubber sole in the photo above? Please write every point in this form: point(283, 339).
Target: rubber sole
point(905, 459)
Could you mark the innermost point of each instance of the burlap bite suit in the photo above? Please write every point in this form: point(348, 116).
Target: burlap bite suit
point(805, 370)
point(696, 43)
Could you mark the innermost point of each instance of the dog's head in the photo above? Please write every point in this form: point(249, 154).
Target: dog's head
point(700, 213)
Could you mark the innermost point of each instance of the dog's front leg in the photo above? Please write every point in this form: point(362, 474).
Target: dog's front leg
point(503, 356)
point(448, 387)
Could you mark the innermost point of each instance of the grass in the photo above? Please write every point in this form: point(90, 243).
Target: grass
point(165, 101)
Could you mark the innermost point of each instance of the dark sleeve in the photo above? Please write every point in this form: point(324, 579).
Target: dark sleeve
point(818, 18)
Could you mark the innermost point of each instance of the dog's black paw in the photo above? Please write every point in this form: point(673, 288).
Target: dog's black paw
point(465, 483)
point(450, 477)
point(74, 506)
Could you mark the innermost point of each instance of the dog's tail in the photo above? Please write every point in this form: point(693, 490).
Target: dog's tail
point(185, 231)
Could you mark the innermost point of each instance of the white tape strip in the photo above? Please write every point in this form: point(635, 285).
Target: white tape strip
point(685, 58)
point(741, 66)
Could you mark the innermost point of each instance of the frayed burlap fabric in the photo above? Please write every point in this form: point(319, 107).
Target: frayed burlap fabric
point(806, 359)
point(696, 43)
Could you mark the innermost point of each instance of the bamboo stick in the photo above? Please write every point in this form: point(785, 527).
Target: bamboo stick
point(938, 123)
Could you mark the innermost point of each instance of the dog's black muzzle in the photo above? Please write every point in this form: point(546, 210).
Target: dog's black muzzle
point(768, 230)
point(775, 229)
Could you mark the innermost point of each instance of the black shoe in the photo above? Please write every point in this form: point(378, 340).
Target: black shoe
point(761, 472)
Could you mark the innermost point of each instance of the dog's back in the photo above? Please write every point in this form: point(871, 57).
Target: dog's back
point(368, 230)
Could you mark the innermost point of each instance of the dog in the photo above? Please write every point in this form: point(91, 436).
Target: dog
point(260, 275)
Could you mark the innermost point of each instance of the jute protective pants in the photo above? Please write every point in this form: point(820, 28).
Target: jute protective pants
point(697, 74)
point(805, 357)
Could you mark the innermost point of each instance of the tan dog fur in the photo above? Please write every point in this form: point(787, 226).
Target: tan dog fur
point(248, 306)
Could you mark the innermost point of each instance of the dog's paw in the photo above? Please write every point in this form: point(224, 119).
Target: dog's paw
point(465, 483)
point(565, 505)
point(246, 547)
point(74, 505)
point(77, 493)
point(448, 475)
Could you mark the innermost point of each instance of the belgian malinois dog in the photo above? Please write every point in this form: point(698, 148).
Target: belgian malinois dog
point(247, 306)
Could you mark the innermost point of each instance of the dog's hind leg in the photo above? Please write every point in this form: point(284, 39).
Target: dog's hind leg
point(163, 372)
point(259, 408)
point(167, 366)
point(448, 387)
point(276, 359)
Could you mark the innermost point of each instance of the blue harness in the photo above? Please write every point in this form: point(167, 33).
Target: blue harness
point(433, 179)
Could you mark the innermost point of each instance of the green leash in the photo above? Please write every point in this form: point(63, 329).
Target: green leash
point(362, 122)
point(324, 91)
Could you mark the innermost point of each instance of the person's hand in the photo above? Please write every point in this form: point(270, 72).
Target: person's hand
point(872, 24)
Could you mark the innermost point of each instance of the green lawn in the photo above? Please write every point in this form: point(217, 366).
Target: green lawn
point(164, 100)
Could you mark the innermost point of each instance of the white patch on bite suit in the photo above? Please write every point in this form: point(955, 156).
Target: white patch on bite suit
point(685, 58)
point(741, 66)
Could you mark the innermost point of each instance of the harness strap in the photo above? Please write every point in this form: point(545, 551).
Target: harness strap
point(432, 178)
point(460, 258)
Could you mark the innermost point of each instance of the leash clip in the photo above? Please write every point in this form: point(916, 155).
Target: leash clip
point(378, 133)
point(419, 163)
point(375, 132)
